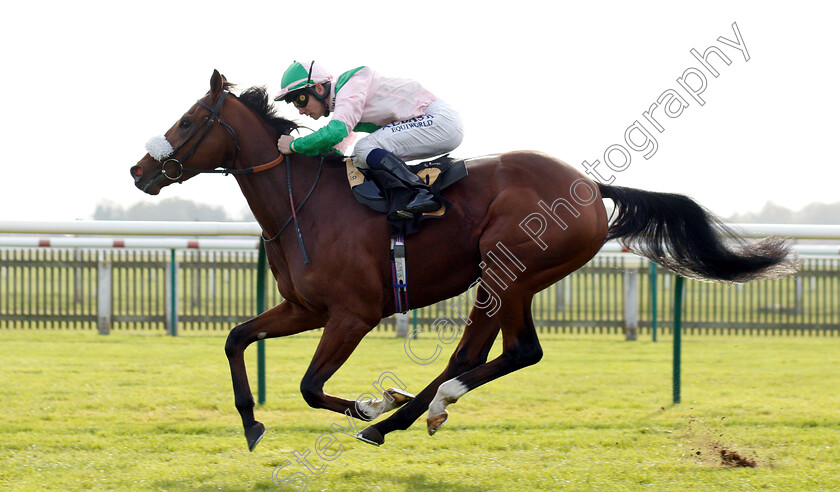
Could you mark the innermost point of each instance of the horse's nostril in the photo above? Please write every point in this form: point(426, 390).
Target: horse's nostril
point(136, 172)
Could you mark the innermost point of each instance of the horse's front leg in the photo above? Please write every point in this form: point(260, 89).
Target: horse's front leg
point(342, 335)
point(285, 319)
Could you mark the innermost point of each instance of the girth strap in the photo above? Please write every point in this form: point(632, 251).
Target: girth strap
point(398, 274)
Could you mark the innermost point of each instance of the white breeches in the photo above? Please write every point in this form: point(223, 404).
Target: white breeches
point(437, 132)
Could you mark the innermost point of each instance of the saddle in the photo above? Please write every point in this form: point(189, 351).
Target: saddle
point(383, 193)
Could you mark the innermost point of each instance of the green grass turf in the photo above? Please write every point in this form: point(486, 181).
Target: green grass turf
point(81, 411)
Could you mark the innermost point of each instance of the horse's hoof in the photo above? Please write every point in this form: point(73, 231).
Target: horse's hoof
point(254, 435)
point(398, 396)
point(371, 436)
point(436, 422)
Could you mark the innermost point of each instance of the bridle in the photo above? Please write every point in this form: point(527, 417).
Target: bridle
point(207, 125)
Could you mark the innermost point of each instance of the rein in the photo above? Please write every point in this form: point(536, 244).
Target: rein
point(296, 209)
point(207, 125)
point(291, 200)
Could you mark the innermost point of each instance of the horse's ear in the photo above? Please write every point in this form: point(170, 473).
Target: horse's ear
point(217, 83)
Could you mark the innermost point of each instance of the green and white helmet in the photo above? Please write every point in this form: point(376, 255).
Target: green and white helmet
point(301, 75)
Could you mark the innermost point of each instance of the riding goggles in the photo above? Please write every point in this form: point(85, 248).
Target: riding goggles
point(300, 99)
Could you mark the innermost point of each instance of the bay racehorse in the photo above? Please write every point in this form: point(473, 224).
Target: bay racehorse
point(532, 217)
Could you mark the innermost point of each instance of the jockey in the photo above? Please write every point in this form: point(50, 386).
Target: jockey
point(404, 121)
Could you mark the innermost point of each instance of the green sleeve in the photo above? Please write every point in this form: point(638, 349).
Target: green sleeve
point(322, 140)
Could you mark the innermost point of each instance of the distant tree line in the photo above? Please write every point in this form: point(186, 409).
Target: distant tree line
point(167, 209)
point(815, 213)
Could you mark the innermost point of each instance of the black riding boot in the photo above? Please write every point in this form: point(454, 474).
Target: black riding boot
point(423, 200)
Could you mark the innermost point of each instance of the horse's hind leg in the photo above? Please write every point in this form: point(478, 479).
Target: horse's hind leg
point(521, 348)
point(571, 248)
point(472, 351)
point(285, 319)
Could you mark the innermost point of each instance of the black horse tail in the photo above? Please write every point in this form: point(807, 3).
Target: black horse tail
point(677, 233)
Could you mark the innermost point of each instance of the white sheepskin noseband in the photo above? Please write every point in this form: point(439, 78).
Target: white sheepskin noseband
point(159, 148)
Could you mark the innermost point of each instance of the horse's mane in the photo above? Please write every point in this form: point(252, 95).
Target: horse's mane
point(256, 99)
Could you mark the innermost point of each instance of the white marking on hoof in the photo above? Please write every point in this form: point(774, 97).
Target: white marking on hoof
point(393, 398)
point(447, 393)
point(397, 397)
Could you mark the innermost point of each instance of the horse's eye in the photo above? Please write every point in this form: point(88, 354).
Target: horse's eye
point(185, 124)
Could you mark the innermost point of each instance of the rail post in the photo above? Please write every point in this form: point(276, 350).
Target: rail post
point(172, 295)
point(678, 298)
point(631, 303)
point(261, 267)
point(401, 321)
point(653, 300)
point(104, 293)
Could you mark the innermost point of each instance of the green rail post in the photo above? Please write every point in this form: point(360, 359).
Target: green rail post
point(261, 267)
point(678, 298)
point(653, 299)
